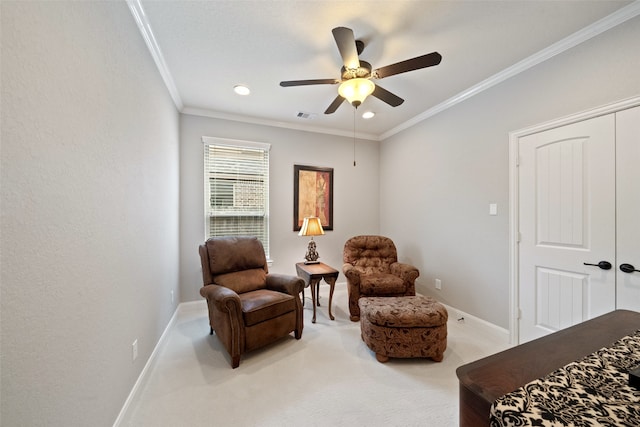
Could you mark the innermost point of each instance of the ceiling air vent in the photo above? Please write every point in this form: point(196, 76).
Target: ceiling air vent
point(303, 115)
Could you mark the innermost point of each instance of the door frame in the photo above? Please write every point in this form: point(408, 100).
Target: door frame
point(514, 226)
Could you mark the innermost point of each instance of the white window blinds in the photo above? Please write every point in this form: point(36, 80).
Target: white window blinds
point(236, 175)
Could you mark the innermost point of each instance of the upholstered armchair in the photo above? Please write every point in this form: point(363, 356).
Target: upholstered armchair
point(372, 269)
point(248, 306)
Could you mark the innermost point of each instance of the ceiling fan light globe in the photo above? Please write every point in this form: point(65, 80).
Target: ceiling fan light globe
point(356, 90)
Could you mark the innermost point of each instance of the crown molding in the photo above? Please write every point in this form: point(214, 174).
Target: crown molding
point(147, 33)
point(616, 18)
point(257, 121)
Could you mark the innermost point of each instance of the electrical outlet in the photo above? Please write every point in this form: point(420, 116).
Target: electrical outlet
point(438, 284)
point(134, 350)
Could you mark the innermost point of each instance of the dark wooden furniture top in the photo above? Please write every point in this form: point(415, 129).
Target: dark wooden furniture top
point(312, 274)
point(485, 380)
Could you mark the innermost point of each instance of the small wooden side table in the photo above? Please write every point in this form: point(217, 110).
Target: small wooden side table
point(312, 274)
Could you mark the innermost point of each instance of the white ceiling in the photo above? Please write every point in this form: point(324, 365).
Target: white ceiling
point(204, 48)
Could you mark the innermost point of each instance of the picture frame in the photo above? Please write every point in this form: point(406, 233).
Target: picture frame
point(312, 195)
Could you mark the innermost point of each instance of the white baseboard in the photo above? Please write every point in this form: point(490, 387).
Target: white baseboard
point(476, 322)
point(193, 305)
point(138, 385)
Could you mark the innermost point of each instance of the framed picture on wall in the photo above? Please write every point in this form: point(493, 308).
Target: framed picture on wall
point(312, 195)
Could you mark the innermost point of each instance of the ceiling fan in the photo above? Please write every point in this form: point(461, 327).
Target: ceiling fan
point(356, 75)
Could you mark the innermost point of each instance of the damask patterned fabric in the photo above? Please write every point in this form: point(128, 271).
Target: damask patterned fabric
point(593, 391)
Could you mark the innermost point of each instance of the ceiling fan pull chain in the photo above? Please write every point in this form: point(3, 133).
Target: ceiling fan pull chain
point(354, 137)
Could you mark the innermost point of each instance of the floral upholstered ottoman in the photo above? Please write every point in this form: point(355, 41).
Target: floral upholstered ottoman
point(409, 326)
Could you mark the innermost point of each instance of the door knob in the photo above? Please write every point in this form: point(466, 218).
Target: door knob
point(605, 265)
point(628, 268)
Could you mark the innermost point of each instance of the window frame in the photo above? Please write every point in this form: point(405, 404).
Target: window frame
point(208, 141)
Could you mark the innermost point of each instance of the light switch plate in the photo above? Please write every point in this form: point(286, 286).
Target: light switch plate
point(493, 209)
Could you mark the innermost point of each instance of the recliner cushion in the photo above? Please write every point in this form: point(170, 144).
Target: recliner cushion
point(243, 281)
point(264, 304)
point(381, 284)
point(372, 254)
point(227, 254)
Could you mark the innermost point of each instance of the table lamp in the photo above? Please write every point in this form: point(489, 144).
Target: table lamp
point(311, 226)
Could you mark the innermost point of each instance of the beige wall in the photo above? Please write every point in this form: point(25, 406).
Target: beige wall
point(355, 192)
point(89, 247)
point(457, 163)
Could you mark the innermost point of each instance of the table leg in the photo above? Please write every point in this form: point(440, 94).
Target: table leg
point(312, 284)
point(332, 284)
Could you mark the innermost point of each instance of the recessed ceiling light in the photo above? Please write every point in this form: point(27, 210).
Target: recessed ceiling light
point(368, 114)
point(241, 90)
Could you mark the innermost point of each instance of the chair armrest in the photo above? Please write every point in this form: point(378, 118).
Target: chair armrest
point(285, 283)
point(222, 298)
point(352, 273)
point(407, 272)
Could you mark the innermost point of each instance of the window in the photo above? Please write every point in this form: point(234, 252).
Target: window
point(236, 189)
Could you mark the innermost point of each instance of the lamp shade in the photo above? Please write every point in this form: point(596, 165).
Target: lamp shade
point(356, 90)
point(311, 226)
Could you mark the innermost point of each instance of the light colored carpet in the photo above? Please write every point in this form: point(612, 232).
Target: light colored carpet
point(328, 378)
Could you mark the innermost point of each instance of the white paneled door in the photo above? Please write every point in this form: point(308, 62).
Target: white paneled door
point(567, 221)
point(628, 208)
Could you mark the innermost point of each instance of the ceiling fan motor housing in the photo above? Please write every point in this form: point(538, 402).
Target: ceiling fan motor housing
point(362, 72)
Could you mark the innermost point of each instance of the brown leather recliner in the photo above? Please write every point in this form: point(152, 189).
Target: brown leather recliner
point(248, 307)
point(372, 269)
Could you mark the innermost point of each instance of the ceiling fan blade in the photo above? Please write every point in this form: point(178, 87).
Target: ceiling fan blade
point(309, 82)
point(346, 42)
point(386, 96)
point(416, 63)
point(334, 105)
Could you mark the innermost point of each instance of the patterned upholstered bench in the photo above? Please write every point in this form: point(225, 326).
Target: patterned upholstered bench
point(403, 327)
